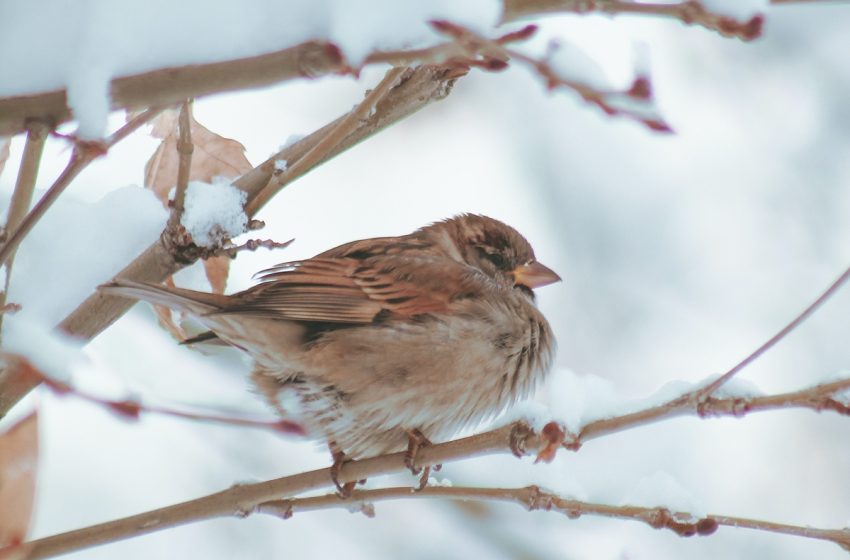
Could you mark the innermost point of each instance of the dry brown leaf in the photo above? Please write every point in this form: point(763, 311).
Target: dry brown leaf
point(213, 156)
point(166, 316)
point(4, 151)
point(18, 466)
point(217, 269)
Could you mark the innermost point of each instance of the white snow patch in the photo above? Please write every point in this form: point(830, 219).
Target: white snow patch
point(49, 351)
point(578, 399)
point(662, 490)
point(739, 10)
point(290, 140)
point(79, 245)
point(739, 389)
point(214, 212)
point(280, 165)
point(439, 482)
point(534, 413)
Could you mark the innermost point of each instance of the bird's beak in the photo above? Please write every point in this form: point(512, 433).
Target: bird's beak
point(534, 275)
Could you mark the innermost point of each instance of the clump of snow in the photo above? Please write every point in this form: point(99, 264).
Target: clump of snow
point(214, 212)
point(578, 399)
point(739, 389)
point(439, 482)
point(739, 10)
point(49, 351)
point(535, 414)
point(662, 490)
point(280, 165)
point(290, 140)
point(84, 244)
point(572, 64)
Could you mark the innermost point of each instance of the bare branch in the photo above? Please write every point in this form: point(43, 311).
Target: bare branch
point(533, 498)
point(185, 149)
point(334, 137)
point(83, 154)
point(785, 331)
point(817, 398)
point(23, 193)
point(689, 12)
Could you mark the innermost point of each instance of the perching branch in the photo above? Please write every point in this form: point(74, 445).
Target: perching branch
point(517, 438)
point(345, 126)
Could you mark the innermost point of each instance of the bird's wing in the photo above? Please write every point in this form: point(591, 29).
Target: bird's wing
point(349, 290)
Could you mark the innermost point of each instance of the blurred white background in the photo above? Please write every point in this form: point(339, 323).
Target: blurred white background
point(680, 254)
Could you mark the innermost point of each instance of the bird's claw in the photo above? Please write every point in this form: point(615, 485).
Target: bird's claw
point(417, 440)
point(343, 490)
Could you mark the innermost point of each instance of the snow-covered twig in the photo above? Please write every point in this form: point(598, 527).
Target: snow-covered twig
point(518, 437)
point(333, 138)
point(82, 155)
point(690, 12)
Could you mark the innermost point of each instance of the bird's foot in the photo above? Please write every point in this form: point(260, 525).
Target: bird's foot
point(416, 440)
point(340, 458)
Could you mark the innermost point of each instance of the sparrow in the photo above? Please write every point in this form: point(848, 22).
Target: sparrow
point(388, 343)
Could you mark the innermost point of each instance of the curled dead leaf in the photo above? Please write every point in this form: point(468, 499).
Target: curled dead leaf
point(18, 468)
point(213, 155)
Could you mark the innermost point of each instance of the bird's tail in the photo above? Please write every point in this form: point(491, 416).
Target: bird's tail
point(197, 303)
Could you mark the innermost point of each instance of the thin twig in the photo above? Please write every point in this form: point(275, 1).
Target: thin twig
point(785, 331)
point(133, 409)
point(635, 102)
point(184, 166)
point(690, 12)
point(242, 499)
point(534, 498)
point(24, 188)
point(333, 138)
point(81, 156)
point(817, 398)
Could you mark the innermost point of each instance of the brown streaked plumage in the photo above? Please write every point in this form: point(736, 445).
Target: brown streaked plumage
point(380, 338)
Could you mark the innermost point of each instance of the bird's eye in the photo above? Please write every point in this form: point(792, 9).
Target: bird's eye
point(497, 259)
